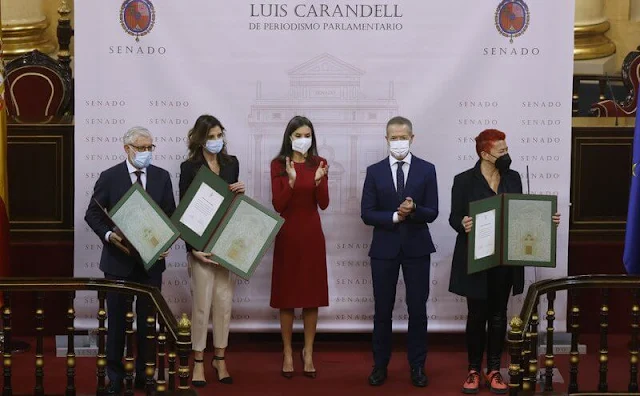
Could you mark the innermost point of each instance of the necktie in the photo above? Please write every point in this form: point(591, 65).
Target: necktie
point(139, 179)
point(400, 181)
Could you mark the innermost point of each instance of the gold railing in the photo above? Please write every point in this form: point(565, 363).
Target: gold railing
point(523, 335)
point(169, 341)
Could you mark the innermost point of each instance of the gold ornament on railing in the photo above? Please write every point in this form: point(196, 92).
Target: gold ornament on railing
point(39, 387)
point(603, 385)
point(6, 340)
point(101, 361)
point(633, 348)
point(71, 354)
point(184, 349)
point(549, 357)
point(129, 365)
point(161, 383)
point(184, 324)
point(172, 341)
point(150, 359)
point(530, 355)
point(574, 353)
point(515, 350)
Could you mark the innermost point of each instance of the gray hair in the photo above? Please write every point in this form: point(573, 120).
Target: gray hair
point(134, 133)
point(401, 121)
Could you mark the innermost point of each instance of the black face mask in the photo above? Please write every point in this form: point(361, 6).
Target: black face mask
point(503, 162)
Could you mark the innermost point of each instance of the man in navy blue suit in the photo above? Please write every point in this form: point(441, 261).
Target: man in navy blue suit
point(112, 184)
point(399, 198)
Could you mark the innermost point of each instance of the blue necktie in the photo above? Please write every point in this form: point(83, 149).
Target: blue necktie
point(400, 181)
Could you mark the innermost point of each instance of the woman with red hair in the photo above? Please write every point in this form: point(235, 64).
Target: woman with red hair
point(487, 292)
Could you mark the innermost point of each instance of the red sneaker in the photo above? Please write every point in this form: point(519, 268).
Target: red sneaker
point(472, 383)
point(496, 383)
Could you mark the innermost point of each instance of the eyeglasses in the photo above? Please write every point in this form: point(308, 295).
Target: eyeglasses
point(143, 148)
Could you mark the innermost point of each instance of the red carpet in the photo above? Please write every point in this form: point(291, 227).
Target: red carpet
point(343, 367)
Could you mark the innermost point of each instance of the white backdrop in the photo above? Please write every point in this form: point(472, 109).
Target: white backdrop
point(254, 66)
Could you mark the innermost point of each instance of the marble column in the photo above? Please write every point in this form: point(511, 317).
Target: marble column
point(23, 28)
point(589, 27)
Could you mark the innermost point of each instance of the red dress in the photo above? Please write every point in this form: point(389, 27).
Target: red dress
point(299, 276)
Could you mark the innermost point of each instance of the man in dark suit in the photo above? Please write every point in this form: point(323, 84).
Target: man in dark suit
point(399, 198)
point(112, 184)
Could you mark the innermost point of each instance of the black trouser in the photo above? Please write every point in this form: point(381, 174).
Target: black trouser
point(415, 271)
point(487, 320)
point(117, 311)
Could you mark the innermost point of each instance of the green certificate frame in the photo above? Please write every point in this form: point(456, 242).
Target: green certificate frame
point(244, 235)
point(144, 225)
point(524, 233)
point(490, 207)
point(204, 182)
point(530, 236)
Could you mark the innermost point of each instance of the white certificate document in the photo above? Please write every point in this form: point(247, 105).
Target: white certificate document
point(202, 208)
point(244, 236)
point(485, 229)
point(143, 226)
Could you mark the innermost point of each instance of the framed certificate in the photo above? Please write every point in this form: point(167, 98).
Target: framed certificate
point(529, 232)
point(512, 229)
point(244, 235)
point(236, 229)
point(202, 207)
point(485, 239)
point(144, 225)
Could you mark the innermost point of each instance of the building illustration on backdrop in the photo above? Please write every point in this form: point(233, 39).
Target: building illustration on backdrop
point(349, 127)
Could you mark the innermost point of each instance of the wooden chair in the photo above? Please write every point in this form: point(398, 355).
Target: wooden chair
point(631, 80)
point(37, 87)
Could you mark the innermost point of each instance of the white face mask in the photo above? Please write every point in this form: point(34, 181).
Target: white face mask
point(142, 160)
point(214, 146)
point(399, 148)
point(301, 145)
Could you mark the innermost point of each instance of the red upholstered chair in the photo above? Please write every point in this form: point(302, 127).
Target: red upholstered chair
point(631, 79)
point(37, 87)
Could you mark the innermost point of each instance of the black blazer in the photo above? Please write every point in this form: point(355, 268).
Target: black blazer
point(380, 201)
point(470, 186)
point(112, 184)
point(229, 172)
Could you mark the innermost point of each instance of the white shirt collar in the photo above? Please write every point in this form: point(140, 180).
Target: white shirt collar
point(393, 160)
point(132, 168)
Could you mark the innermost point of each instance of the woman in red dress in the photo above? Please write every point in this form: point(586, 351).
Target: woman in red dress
point(299, 277)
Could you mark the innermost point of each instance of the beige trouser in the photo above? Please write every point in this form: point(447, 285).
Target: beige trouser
point(212, 294)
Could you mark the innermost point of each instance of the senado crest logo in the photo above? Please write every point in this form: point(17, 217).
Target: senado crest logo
point(512, 18)
point(137, 17)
